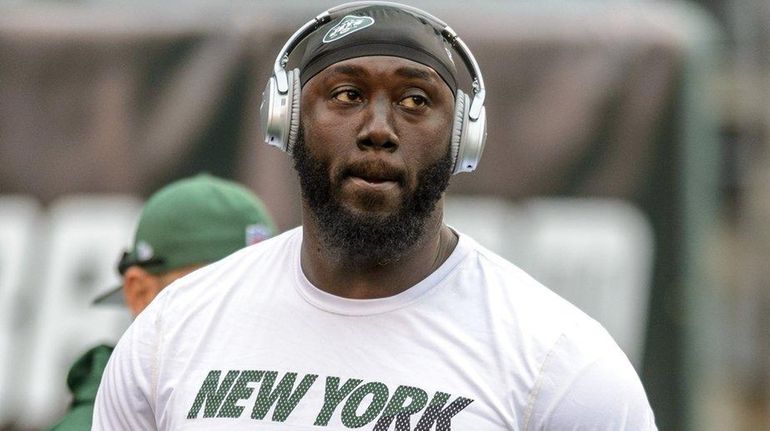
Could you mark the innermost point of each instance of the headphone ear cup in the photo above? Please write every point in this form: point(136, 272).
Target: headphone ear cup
point(279, 112)
point(293, 107)
point(458, 126)
point(468, 135)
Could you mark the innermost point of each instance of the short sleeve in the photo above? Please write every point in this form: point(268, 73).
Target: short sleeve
point(125, 399)
point(588, 383)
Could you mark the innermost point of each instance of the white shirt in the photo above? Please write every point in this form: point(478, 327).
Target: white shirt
point(249, 343)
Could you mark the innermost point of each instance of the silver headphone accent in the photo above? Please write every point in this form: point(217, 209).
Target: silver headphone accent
point(279, 112)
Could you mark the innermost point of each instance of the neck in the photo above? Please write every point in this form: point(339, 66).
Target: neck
point(341, 275)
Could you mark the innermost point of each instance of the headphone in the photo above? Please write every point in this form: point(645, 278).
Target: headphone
point(279, 111)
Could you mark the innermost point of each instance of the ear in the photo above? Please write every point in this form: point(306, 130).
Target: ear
point(139, 288)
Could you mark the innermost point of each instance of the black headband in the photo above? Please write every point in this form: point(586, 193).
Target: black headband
point(378, 30)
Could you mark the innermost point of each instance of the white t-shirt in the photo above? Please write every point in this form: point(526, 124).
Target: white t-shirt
point(249, 343)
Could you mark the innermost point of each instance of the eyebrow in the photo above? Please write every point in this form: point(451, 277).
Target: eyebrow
point(413, 72)
point(405, 71)
point(347, 69)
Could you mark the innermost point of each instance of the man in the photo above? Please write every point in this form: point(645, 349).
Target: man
point(373, 314)
point(183, 226)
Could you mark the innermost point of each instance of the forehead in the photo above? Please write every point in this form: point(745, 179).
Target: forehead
point(376, 67)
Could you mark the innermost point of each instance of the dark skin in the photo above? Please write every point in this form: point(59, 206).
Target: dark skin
point(393, 114)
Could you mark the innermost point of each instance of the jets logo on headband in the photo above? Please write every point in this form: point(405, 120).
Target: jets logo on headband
point(349, 24)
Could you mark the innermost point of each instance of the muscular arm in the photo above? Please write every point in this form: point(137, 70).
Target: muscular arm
point(587, 383)
point(125, 400)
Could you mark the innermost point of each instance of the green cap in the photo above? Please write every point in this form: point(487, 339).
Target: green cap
point(194, 221)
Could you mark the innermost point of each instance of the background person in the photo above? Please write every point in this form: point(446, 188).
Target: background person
point(183, 226)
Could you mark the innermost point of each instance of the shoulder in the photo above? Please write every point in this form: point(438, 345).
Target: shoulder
point(514, 295)
point(83, 380)
point(263, 253)
point(194, 301)
point(86, 373)
point(77, 419)
point(220, 278)
point(588, 381)
point(579, 375)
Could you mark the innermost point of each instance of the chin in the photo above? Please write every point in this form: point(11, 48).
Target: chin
point(364, 224)
point(371, 204)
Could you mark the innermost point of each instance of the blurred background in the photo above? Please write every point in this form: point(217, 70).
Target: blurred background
point(626, 167)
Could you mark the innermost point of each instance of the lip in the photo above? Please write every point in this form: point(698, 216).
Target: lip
point(374, 175)
point(373, 184)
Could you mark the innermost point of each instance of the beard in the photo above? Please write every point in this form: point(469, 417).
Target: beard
point(367, 238)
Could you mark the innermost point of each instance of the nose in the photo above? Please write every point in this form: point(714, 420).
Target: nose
point(378, 131)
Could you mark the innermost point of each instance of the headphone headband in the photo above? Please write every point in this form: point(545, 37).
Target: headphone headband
point(479, 92)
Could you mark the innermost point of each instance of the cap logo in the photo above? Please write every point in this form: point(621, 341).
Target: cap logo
point(347, 25)
point(144, 251)
point(256, 233)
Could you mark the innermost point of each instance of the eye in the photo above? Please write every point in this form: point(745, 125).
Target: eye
point(414, 102)
point(347, 95)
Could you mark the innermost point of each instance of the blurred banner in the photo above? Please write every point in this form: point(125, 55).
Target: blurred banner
point(589, 100)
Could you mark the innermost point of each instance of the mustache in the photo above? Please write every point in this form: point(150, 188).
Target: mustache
point(373, 170)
